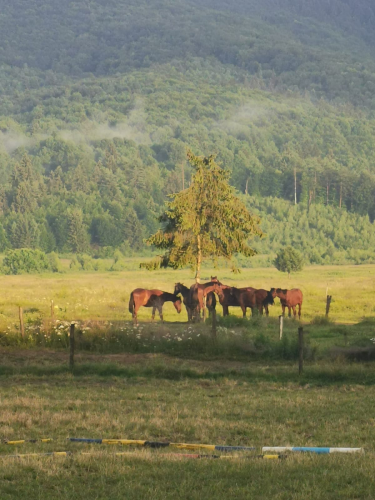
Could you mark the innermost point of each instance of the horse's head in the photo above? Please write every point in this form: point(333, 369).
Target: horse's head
point(217, 286)
point(269, 299)
point(177, 288)
point(279, 292)
point(177, 304)
point(214, 278)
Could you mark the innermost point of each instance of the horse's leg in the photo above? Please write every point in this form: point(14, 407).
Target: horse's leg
point(160, 309)
point(294, 311)
point(260, 310)
point(153, 313)
point(289, 312)
point(299, 311)
point(135, 315)
point(283, 309)
point(243, 311)
point(225, 311)
point(267, 311)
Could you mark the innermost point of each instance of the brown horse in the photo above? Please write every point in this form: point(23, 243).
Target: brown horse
point(198, 295)
point(245, 298)
point(185, 292)
point(211, 303)
point(264, 298)
point(151, 298)
point(289, 299)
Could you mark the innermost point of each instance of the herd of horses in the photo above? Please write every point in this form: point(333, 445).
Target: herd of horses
point(200, 297)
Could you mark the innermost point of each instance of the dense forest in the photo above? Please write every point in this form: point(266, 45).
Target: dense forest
point(100, 101)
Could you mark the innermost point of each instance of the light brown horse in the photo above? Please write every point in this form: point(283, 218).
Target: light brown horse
point(198, 295)
point(151, 298)
point(289, 299)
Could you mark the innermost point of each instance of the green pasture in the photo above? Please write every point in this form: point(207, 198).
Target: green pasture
point(174, 382)
point(105, 296)
point(162, 398)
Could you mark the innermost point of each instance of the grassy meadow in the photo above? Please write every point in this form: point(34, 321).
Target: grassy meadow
point(105, 296)
point(172, 382)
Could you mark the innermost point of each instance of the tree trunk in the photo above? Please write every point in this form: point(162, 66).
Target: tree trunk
point(340, 195)
point(247, 183)
point(315, 181)
point(310, 199)
point(295, 186)
point(199, 260)
point(183, 176)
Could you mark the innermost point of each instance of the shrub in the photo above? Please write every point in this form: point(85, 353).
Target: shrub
point(54, 262)
point(74, 264)
point(26, 260)
point(87, 262)
point(288, 260)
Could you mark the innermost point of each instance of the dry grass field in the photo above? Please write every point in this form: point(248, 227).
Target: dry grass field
point(147, 384)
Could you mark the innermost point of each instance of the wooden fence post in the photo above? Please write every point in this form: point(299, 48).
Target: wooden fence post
point(214, 323)
point(328, 304)
point(300, 349)
point(52, 311)
point(22, 327)
point(71, 342)
point(281, 326)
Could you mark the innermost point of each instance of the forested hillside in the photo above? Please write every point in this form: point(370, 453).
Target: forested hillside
point(100, 101)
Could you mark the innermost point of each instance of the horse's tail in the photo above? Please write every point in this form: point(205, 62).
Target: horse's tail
point(131, 303)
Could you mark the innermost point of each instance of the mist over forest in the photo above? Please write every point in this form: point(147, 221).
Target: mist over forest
point(100, 101)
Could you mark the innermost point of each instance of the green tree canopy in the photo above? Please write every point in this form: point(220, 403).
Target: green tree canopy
point(288, 260)
point(205, 221)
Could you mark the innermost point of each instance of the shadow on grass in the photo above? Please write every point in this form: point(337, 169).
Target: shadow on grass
point(314, 375)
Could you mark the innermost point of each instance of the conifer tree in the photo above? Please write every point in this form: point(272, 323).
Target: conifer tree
point(288, 260)
point(205, 221)
point(23, 189)
point(78, 237)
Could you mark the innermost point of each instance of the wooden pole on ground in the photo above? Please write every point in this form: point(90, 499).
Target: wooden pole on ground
point(328, 304)
point(71, 342)
point(281, 326)
point(52, 311)
point(22, 327)
point(214, 323)
point(300, 349)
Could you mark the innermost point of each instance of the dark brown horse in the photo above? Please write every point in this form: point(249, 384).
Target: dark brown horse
point(198, 295)
point(263, 298)
point(289, 299)
point(191, 311)
point(185, 292)
point(245, 298)
point(151, 298)
point(227, 299)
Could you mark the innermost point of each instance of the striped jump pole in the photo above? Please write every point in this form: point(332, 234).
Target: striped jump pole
point(33, 455)
point(131, 454)
point(23, 441)
point(156, 444)
point(310, 449)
